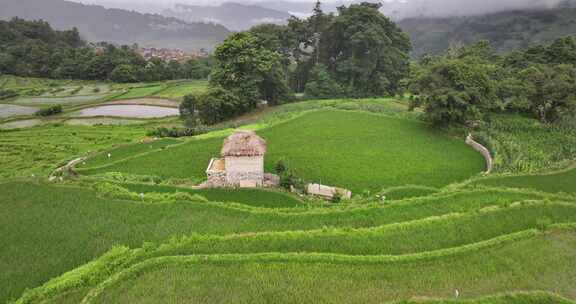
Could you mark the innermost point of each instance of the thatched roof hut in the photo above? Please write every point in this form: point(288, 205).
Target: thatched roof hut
point(243, 143)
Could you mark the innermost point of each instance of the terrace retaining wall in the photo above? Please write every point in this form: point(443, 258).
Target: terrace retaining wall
point(483, 150)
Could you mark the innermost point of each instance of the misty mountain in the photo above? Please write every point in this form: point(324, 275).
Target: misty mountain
point(234, 16)
point(97, 23)
point(505, 30)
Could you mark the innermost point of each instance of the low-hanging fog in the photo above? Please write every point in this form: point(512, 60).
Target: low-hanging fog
point(397, 8)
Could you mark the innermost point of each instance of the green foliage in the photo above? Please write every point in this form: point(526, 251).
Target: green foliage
point(465, 84)
point(247, 68)
point(280, 167)
point(320, 85)
point(364, 51)
point(33, 48)
point(53, 110)
point(456, 88)
point(525, 145)
point(550, 91)
point(176, 132)
point(124, 73)
point(220, 104)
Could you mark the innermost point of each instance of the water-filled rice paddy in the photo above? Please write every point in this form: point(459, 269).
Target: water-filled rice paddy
point(7, 110)
point(146, 101)
point(59, 100)
point(133, 111)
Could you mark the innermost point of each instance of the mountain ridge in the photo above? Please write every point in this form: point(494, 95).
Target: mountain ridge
point(98, 23)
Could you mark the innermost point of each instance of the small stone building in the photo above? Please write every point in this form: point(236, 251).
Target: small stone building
point(328, 192)
point(242, 162)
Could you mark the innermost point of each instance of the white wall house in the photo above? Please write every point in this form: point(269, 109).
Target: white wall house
point(242, 162)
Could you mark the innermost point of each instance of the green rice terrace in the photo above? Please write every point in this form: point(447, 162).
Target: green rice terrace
point(123, 221)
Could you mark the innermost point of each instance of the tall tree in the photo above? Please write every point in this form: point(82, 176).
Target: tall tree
point(245, 66)
point(365, 51)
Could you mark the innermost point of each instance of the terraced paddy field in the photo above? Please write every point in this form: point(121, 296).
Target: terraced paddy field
point(123, 233)
point(179, 90)
point(298, 279)
point(39, 150)
point(143, 91)
point(55, 234)
point(555, 182)
point(348, 149)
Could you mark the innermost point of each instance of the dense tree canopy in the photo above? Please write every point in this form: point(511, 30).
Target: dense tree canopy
point(248, 66)
point(466, 83)
point(365, 51)
point(33, 48)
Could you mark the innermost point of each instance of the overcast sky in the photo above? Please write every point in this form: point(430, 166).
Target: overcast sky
point(401, 7)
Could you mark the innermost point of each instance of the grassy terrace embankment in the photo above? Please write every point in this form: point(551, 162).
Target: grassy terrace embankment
point(349, 149)
point(263, 246)
point(554, 182)
point(59, 228)
point(545, 262)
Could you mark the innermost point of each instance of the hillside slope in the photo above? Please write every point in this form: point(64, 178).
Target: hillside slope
point(505, 30)
point(97, 23)
point(235, 16)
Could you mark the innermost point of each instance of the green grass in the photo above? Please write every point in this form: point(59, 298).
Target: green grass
point(169, 163)
point(260, 246)
point(407, 192)
point(558, 182)
point(546, 263)
point(397, 239)
point(144, 91)
point(179, 90)
point(41, 149)
point(251, 197)
point(348, 149)
point(59, 228)
point(126, 151)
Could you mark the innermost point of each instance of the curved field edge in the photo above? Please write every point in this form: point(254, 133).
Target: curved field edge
point(372, 160)
point(180, 261)
point(120, 258)
point(58, 223)
point(563, 181)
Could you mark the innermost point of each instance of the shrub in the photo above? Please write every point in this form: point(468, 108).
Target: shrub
point(280, 167)
point(336, 198)
point(5, 94)
point(217, 105)
point(178, 132)
point(321, 85)
point(124, 73)
point(53, 110)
